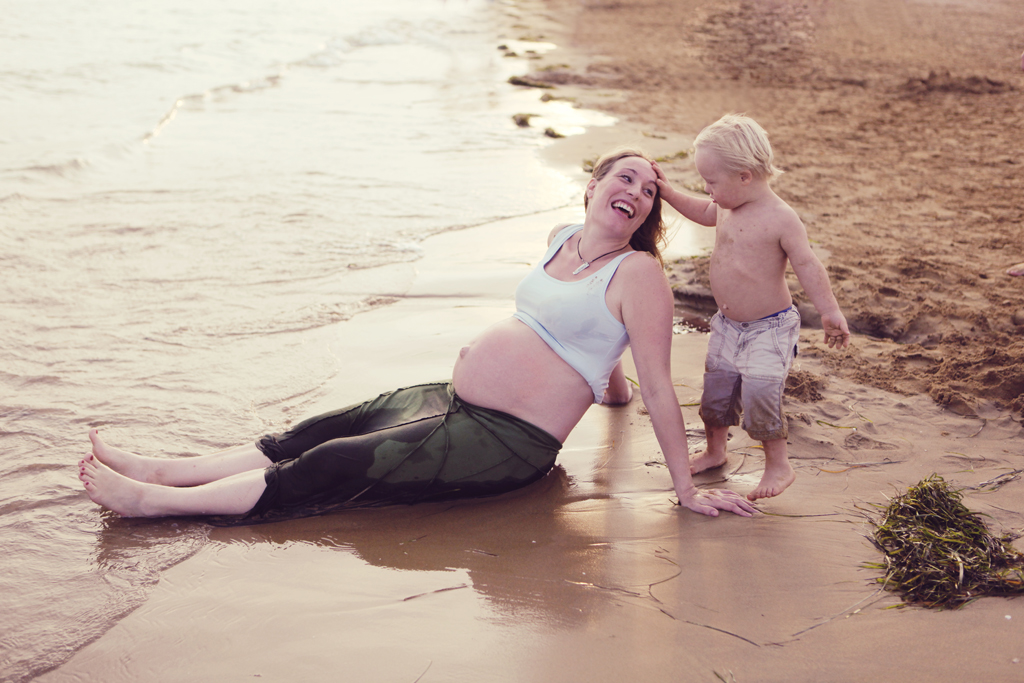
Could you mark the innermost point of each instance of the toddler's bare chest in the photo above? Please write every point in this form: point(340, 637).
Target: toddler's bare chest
point(740, 239)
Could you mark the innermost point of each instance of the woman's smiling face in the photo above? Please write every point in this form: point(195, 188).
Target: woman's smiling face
point(626, 191)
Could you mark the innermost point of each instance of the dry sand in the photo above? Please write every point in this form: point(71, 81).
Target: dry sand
point(908, 191)
point(899, 124)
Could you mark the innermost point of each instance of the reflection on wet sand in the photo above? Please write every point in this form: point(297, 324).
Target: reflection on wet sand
point(522, 552)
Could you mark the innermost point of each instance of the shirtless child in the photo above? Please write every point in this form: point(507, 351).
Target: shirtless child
point(754, 334)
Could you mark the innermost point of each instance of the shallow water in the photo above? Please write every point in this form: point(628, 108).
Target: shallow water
point(192, 195)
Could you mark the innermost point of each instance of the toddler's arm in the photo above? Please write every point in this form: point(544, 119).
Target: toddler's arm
point(814, 279)
point(702, 211)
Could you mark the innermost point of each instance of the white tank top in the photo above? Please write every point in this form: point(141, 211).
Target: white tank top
point(573, 318)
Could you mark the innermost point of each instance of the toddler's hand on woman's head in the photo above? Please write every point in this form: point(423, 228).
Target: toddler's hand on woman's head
point(663, 184)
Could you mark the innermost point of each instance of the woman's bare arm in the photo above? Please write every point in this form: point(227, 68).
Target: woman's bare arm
point(620, 390)
point(647, 305)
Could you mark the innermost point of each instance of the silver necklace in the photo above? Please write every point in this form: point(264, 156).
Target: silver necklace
point(586, 264)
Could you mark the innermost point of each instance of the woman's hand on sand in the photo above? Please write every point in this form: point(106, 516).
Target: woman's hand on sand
point(710, 501)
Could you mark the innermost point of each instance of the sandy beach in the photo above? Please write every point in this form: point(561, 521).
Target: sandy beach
point(592, 573)
point(910, 187)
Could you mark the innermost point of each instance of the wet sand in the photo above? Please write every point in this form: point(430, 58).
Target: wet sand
point(593, 574)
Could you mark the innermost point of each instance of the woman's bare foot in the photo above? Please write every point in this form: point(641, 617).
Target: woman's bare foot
point(1017, 270)
point(775, 480)
point(112, 490)
point(706, 460)
point(133, 466)
point(233, 495)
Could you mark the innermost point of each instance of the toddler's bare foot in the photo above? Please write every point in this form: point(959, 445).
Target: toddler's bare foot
point(1017, 270)
point(707, 460)
point(111, 490)
point(130, 465)
point(774, 481)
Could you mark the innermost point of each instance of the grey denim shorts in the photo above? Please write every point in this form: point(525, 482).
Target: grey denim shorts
point(745, 373)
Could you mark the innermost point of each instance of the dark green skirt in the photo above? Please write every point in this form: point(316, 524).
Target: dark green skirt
point(420, 443)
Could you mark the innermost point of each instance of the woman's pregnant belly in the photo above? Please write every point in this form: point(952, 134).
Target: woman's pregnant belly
point(509, 368)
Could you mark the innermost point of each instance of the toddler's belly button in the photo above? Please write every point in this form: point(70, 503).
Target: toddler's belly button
point(462, 351)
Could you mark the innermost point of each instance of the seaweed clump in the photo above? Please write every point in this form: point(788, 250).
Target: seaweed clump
point(940, 554)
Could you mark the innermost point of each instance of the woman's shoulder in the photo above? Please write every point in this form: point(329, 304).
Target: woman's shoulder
point(643, 264)
point(558, 229)
point(641, 287)
point(642, 274)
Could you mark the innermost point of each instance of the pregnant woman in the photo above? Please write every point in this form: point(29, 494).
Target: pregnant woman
point(517, 390)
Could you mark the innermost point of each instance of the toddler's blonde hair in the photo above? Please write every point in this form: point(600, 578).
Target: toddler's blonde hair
point(741, 144)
